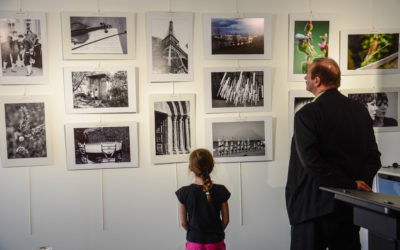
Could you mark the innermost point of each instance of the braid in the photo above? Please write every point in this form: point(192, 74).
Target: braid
point(207, 187)
point(201, 163)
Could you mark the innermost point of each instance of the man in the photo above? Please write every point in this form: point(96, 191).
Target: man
point(333, 145)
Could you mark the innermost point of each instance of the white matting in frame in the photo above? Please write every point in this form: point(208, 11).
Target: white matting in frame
point(307, 42)
point(101, 145)
point(109, 89)
point(169, 37)
point(230, 89)
point(364, 52)
point(240, 139)
point(97, 36)
point(382, 104)
point(297, 99)
point(230, 36)
point(172, 127)
point(25, 131)
point(23, 38)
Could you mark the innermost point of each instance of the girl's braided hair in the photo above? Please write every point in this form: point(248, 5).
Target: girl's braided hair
point(201, 163)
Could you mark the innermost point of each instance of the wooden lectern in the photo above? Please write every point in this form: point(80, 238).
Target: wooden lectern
point(377, 212)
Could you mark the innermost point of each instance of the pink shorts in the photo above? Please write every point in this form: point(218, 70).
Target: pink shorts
point(208, 246)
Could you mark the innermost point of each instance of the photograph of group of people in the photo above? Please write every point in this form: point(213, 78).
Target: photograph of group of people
point(21, 48)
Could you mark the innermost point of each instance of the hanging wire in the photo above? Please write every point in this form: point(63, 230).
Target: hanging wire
point(98, 6)
point(30, 199)
point(372, 16)
point(240, 194)
point(169, 6)
point(310, 8)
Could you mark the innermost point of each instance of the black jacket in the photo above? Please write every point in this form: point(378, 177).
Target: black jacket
point(333, 145)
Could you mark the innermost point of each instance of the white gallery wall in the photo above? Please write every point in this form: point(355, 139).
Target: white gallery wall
point(136, 208)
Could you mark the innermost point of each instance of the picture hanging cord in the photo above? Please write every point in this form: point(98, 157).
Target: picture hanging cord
point(98, 6)
point(310, 8)
point(238, 65)
point(102, 199)
point(240, 194)
point(237, 7)
point(24, 91)
point(19, 7)
point(176, 187)
point(372, 19)
point(30, 199)
point(169, 6)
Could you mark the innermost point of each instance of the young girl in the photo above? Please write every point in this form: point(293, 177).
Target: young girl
point(202, 205)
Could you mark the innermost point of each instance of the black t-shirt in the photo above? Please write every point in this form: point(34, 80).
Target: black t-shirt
point(204, 218)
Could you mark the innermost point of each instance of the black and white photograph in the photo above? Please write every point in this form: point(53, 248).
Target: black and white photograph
point(94, 146)
point(237, 90)
point(100, 90)
point(169, 46)
point(23, 48)
point(94, 36)
point(366, 52)
point(382, 106)
point(297, 100)
point(240, 140)
point(172, 127)
point(24, 131)
point(229, 36)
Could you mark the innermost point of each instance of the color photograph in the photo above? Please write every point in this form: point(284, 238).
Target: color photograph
point(231, 37)
point(310, 38)
point(370, 53)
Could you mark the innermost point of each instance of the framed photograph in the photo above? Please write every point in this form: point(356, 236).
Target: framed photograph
point(240, 139)
point(297, 99)
point(100, 90)
point(98, 36)
point(169, 46)
point(310, 37)
point(382, 104)
point(227, 36)
point(105, 145)
point(23, 39)
point(25, 131)
point(237, 90)
point(172, 127)
point(364, 52)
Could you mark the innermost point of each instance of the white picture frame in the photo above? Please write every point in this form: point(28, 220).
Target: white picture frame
point(103, 145)
point(169, 37)
point(25, 131)
point(244, 139)
point(363, 52)
point(23, 37)
point(172, 127)
point(297, 99)
point(111, 36)
point(322, 35)
point(109, 89)
point(224, 93)
point(383, 104)
point(218, 41)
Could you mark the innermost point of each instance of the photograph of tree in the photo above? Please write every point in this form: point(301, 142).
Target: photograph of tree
point(373, 51)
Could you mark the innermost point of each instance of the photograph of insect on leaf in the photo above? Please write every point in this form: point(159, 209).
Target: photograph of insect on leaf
point(311, 41)
point(373, 51)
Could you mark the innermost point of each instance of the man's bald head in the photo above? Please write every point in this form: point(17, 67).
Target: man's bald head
point(327, 70)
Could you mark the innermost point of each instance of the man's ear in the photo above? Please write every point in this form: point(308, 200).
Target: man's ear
point(317, 81)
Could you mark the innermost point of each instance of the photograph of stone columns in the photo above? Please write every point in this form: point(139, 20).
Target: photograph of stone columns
point(172, 127)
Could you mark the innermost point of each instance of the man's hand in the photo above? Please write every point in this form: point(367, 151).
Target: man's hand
point(361, 185)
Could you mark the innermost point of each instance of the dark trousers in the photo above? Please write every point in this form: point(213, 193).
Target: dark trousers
point(334, 231)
